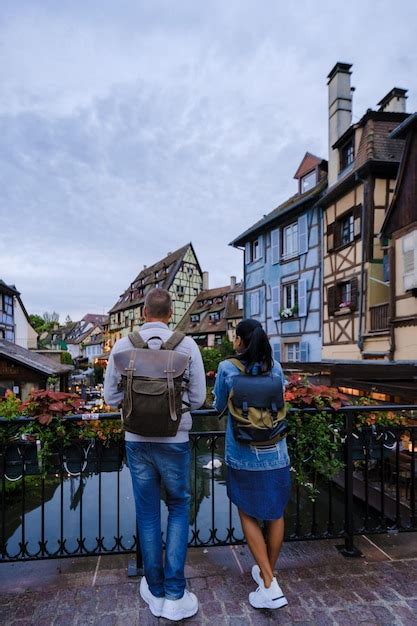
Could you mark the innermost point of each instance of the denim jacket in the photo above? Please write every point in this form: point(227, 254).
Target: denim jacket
point(241, 455)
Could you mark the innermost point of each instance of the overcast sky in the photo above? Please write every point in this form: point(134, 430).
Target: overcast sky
point(130, 127)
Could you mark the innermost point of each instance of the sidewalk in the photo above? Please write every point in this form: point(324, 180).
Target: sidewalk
point(322, 587)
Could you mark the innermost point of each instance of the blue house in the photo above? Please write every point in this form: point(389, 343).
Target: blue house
point(282, 268)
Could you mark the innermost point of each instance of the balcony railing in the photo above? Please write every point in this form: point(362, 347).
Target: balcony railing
point(84, 506)
point(379, 317)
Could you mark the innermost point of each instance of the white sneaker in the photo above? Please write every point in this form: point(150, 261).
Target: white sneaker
point(268, 597)
point(182, 608)
point(155, 604)
point(256, 575)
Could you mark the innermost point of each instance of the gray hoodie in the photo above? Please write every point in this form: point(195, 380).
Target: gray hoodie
point(196, 390)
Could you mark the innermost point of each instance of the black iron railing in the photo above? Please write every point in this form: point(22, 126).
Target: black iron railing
point(82, 505)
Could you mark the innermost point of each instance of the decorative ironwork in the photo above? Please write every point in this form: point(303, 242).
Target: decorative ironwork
point(375, 492)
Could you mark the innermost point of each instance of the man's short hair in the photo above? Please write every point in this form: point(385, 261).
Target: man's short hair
point(158, 303)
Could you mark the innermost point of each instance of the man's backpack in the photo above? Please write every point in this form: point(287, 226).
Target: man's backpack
point(257, 407)
point(153, 381)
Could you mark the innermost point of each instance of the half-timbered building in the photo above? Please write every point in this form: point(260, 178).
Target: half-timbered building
point(363, 164)
point(399, 232)
point(178, 272)
point(214, 315)
point(282, 255)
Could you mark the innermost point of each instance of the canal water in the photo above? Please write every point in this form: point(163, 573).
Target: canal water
point(95, 507)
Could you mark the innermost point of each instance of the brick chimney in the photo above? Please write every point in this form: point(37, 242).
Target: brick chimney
point(394, 101)
point(340, 112)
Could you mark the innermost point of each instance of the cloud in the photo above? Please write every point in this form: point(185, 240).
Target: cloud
point(127, 133)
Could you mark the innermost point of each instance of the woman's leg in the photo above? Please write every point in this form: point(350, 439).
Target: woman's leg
point(257, 546)
point(275, 537)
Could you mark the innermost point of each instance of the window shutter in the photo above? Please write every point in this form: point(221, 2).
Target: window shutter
point(247, 252)
point(410, 261)
point(354, 293)
point(302, 234)
point(302, 297)
point(304, 351)
point(275, 302)
point(260, 246)
point(254, 303)
point(331, 300)
point(275, 246)
point(277, 352)
point(357, 215)
point(330, 237)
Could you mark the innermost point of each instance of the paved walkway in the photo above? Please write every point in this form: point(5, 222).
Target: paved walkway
point(322, 587)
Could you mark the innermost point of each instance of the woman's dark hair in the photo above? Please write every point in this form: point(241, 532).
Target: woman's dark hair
point(256, 344)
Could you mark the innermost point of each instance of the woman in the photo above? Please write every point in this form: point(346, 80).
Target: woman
point(258, 478)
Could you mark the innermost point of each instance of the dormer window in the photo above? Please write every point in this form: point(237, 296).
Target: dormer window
point(308, 181)
point(214, 317)
point(195, 318)
point(347, 155)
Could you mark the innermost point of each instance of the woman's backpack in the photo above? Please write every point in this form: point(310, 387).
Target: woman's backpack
point(257, 407)
point(153, 382)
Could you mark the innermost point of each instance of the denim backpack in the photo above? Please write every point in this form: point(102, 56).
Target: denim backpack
point(257, 407)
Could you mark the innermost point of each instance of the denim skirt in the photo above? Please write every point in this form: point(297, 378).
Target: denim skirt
point(262, 494)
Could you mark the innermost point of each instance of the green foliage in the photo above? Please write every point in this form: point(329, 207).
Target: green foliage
point(44, 323)
point(313, 438)
point(226, 348)
point(211, 359)
point(10, 405)
point(66, 358)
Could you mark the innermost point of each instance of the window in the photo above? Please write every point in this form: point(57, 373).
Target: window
point(290, 299)
point(343, 295)
point(214, 317)
point(294, 239)
point(253, 250)
point(346, 155)
point(180, 290)
point(239, 300)
point(308, 181)
point(346, 230)
point(292, 351)
point(195, 317)
point(290, 239)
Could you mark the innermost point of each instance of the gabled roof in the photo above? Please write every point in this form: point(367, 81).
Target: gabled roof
point(222, 301)
point(162, 272)
point(32, 360)
point(408, 168)
point(308, 164)
point(297, 201)
point(9, 290)
point(95, 318)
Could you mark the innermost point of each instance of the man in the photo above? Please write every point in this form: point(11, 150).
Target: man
point(162, 460)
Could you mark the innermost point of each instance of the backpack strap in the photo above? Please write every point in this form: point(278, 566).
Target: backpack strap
point(137, 340)
point(173, 341)
point(238, 364)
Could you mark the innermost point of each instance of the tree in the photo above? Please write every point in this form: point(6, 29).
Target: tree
point(51, 318)
point(66, 358)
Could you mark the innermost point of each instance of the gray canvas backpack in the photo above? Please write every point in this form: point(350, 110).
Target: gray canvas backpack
point(153, 382)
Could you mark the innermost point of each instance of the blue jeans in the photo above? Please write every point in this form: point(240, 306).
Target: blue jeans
point(152, 465)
